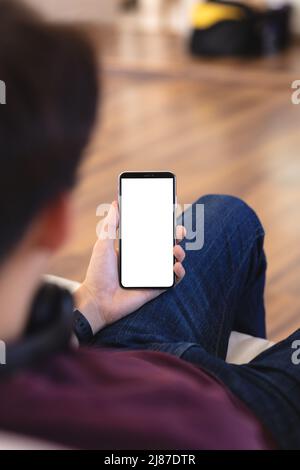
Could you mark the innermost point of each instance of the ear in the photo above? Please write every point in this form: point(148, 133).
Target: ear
point(53, 225)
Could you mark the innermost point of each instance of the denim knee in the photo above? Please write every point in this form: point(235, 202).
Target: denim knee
point(231, 207)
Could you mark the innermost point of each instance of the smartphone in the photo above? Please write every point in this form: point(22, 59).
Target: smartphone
point(147, 202)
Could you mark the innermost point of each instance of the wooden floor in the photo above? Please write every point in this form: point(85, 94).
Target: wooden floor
point(222, 127)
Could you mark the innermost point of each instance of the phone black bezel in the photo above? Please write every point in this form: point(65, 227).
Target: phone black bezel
point(145, 174)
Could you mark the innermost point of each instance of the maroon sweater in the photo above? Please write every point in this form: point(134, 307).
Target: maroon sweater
point(98, 399)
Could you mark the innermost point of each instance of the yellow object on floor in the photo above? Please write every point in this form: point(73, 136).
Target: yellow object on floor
point(205, 15)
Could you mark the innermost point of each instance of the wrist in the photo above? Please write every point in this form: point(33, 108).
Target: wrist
point(87, 305)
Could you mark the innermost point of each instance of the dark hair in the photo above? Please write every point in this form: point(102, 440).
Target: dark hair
point(50, 73)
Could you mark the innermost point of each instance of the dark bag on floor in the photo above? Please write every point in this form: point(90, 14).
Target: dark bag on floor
point(250, 32)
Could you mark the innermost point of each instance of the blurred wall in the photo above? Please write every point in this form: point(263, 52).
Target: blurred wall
point(91, 10)
point(296, 18)
point(105, 10)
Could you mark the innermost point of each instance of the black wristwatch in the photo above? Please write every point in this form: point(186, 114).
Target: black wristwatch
point(82, 328)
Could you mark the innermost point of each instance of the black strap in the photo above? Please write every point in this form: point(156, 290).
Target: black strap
point(82, 328)
point(48, 331)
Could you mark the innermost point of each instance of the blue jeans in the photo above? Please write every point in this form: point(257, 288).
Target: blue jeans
point(222, 291)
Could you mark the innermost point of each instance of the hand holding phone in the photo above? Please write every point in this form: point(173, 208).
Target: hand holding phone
point(100, 297)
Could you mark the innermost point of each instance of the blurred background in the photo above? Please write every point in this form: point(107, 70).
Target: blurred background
point(222, 120)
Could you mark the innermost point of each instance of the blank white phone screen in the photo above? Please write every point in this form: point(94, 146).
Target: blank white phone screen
point(147, 232)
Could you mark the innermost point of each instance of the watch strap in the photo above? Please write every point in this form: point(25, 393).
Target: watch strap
point(82, 328)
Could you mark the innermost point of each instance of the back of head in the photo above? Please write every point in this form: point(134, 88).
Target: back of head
point(51, 81)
